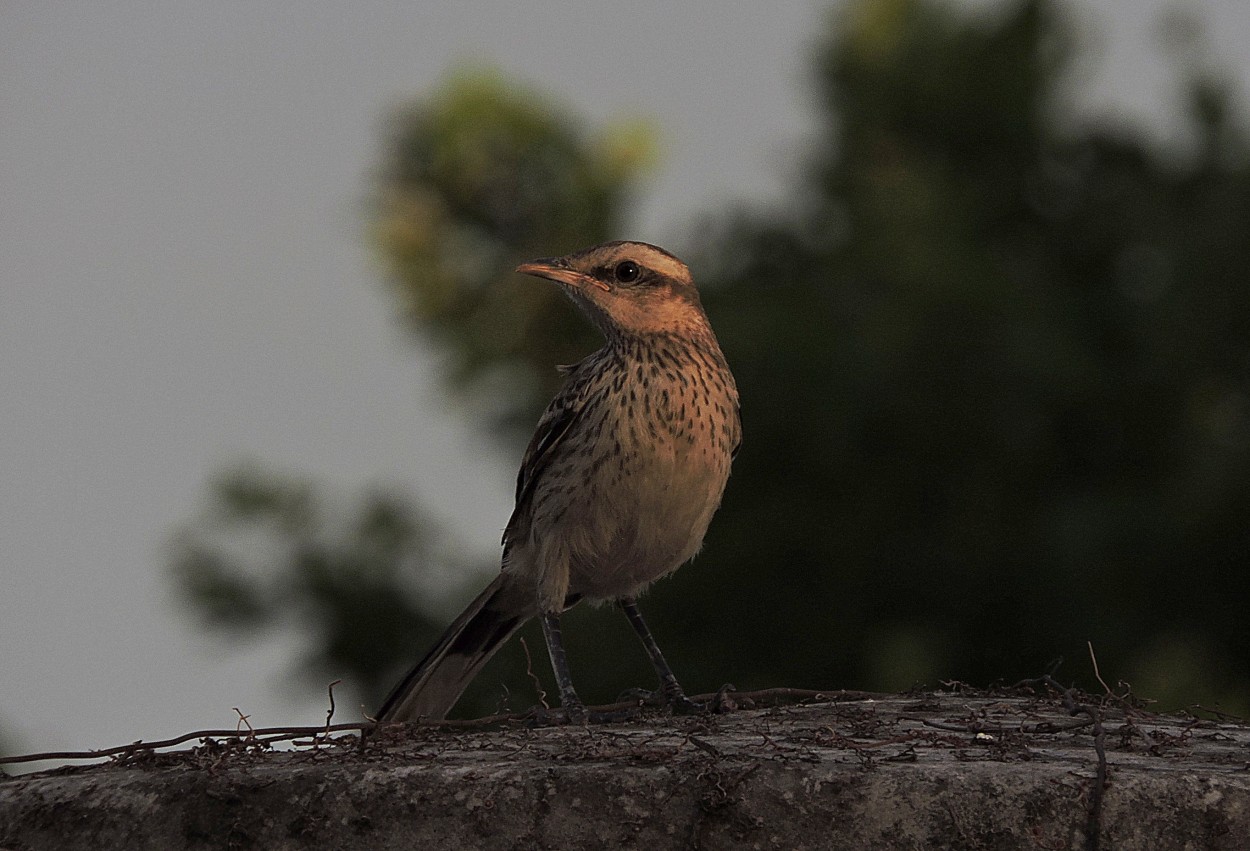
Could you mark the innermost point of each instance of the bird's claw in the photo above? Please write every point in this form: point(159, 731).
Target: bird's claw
point(721, 701)
point(677, 702)
point(577, 715)
point(568, 713)
point(717, 704)
point(643, 697)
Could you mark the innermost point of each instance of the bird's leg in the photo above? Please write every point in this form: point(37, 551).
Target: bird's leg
point(669, 687)
point(572, 705)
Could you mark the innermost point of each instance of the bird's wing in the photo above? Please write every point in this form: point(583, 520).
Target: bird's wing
point(555, 423)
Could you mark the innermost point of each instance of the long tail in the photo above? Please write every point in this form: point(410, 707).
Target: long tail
point(432, 688)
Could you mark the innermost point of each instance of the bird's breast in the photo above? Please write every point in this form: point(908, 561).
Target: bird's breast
point(661, 443)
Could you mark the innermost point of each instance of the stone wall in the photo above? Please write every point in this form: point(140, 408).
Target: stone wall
point(888, 772)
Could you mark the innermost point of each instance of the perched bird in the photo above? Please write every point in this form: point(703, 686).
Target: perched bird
point(619, 483)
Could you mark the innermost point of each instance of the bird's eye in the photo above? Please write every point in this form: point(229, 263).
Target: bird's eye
point(627, 271)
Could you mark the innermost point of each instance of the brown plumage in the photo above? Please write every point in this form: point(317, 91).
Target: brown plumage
point(617, 487)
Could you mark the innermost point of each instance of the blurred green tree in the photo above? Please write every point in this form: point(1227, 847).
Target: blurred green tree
point(475, 179)
point(1012, 399)
point(994, 366)
point(267, 554)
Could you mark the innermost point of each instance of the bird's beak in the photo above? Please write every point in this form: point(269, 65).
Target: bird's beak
point(557, 269)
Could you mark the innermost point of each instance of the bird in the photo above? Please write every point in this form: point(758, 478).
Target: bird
point(616, 489)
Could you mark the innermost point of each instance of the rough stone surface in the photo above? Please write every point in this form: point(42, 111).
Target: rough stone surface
point(895, 772)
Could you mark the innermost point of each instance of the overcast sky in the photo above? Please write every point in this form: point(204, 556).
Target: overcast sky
point(184, 284)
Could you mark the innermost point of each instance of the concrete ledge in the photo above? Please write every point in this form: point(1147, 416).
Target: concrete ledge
point(914, 772)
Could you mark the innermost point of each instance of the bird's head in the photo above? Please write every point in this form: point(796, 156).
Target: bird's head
point(627, 288)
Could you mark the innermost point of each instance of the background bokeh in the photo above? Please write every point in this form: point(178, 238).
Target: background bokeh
point(978, 268)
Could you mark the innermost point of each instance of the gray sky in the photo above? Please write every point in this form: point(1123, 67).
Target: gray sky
point(184, 283)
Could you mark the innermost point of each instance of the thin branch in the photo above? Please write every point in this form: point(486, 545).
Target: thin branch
point(529, 670)
point(1068, 695)
point(330, 711)
point(1042, 727)
point(268, 734)
point(774, 696)
point(1094, 661)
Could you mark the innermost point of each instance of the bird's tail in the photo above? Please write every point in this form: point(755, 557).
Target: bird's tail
point(432, 688)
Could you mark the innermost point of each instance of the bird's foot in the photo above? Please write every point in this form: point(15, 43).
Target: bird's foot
point(718, 704)
point(676, 700)
point(642, 697)
point(576, 714)
point(546, 716)
point(722, 702)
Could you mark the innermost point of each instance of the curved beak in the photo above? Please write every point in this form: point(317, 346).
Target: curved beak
point(557, 269)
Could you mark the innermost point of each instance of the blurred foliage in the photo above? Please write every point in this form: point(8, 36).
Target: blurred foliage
point(1010, 414)
point(477, 178)
point(266, 555)
point(993, 364)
